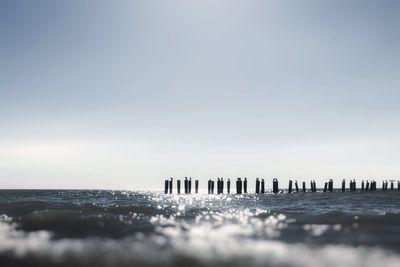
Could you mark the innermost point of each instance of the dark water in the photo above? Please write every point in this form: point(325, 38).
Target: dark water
point(120, 228)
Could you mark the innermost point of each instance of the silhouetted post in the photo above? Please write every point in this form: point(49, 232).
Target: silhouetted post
point(275, 187)
point(222, 185)
point(330, 185)
point(362, 185)
point(297, 186)
point(315, 186)
point(171, 185)
point(257, 186)
point(212, 187)
point(245, 185)
point(262, 186)
point(398, 185)
point(354, 185)
point(386, 185)
point(290, 187)
point(209, 186)
point(166, 187)
point(391, 184)
point(178, 186)
point(343, 185)
point(373, 186)
point(190, 185)
point(196, 186)
point(304, 187)
point(383, 185)
point(218, 186)
point(228, 185)
point(367, 186)
point(239, 186)
point(326, 186)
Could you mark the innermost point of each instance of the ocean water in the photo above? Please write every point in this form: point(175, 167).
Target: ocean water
point(127, 228)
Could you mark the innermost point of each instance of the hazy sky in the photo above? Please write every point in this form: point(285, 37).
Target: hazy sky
point(122, 94)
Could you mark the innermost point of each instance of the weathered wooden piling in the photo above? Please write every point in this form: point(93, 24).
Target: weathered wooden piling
point(257, 186)
point(171, 185)
point(166, 183)
point(186, 185)
point(262, 186)
point(373, 186)
point(353, 185)
point(275, 186)
point(220, 185)
point(228, 186)
point(239, 186)
point(178, 186)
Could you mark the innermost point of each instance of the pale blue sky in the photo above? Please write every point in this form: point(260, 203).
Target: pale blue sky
point(122, 94)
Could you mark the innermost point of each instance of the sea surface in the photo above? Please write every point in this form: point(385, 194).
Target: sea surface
point(127, 228)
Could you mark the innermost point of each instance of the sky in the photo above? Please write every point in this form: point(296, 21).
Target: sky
point(123, 94)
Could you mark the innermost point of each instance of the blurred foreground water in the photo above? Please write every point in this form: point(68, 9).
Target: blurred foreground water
point(124, 228)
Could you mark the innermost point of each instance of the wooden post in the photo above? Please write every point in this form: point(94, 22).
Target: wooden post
point(275, 187)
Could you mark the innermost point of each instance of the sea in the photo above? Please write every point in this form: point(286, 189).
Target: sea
point(148, 228)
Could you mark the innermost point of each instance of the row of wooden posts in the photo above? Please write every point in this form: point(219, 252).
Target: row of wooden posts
point(241, 186)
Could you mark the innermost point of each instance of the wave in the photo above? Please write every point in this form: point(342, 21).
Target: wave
point(178, 244)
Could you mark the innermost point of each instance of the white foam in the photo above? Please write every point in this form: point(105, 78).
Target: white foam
point(233, 243)
point(226, 244)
